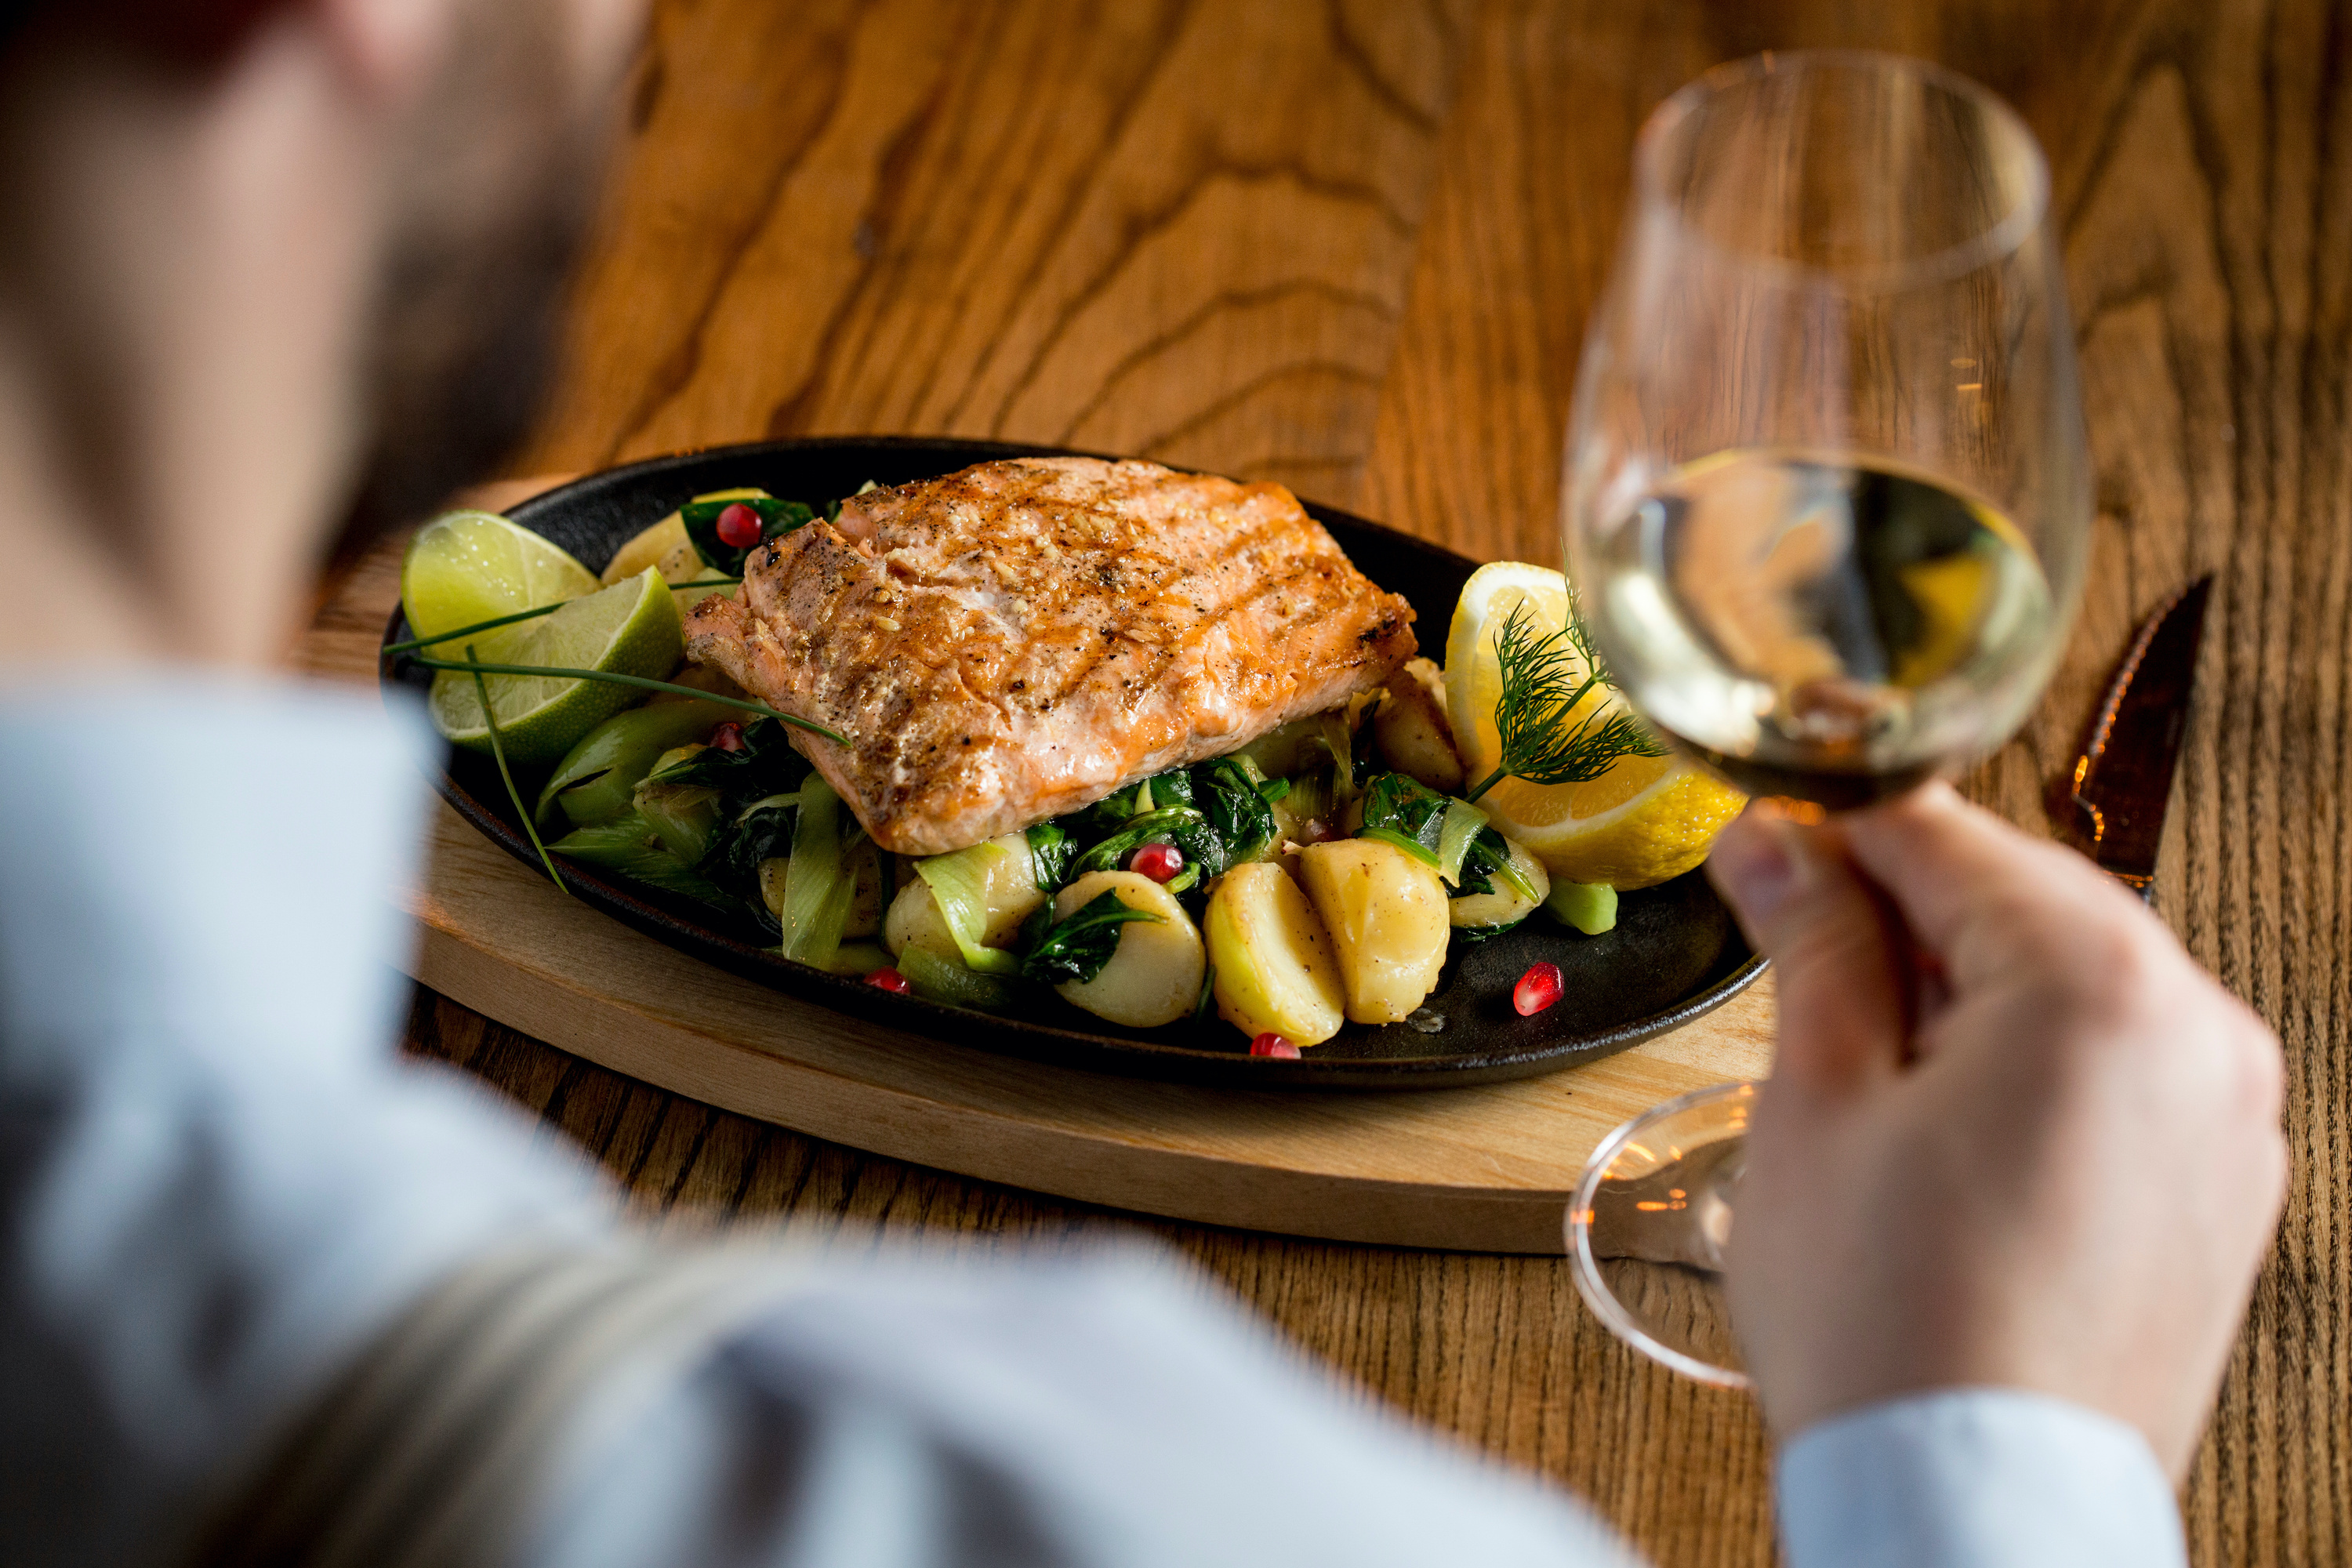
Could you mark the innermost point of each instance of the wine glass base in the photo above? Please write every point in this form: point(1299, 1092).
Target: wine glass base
point(1646, 1231)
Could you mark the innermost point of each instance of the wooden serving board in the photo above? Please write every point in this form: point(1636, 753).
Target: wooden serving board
point(1479, 1168)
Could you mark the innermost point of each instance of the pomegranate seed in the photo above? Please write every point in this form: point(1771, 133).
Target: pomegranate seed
point(1160, 862)
point(1273, 1045)
point(728, 737)
point(1538, 989)
point(888, 980)
point(739, 527)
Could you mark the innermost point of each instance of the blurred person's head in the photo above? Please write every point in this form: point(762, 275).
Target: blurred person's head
point(273, 269)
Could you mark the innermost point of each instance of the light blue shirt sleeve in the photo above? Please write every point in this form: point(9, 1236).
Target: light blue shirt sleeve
point(1971, 1477)
point(222, 1192)
point(217, 1182)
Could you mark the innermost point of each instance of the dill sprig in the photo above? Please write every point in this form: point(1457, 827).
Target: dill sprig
point(1545, 677)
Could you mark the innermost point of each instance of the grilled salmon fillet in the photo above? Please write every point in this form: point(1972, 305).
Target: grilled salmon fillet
point(1019, 639)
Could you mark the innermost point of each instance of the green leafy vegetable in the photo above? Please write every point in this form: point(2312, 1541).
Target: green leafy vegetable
point(1413, 847)
point(764, 764)
point(1589, 907)
point(1116, 810)
point(816, 884)
point(1348, 772)
point(760, 832)
point(1054, 951)
point(959, 883)
point(597, 777)
point(1229, 791)
point(1463, 824)
point(628, 845)
point(1402, 805)
point(1399, 803)
point(681, 811)
point(936, 978)
point(1545, 678)
point(1178, 825)
point(1050, 853)
point(777, 518)
point(1488, 933)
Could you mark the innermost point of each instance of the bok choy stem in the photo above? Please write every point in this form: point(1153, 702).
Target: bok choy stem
point(1462, 822)
point(816, 890)
point(959, 884)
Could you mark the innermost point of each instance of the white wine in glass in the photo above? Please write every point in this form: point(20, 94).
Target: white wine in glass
point(1827, 498)
point(1827, 491)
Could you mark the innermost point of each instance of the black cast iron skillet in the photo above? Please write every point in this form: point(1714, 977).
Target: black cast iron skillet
point(1674, 955)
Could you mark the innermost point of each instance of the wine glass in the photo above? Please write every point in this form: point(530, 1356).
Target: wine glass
point(1827, 500)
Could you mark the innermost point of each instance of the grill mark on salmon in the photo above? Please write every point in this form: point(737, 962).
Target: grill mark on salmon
point(1017, 640)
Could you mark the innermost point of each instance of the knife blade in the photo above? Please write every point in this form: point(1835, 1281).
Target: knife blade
point(2123, 779)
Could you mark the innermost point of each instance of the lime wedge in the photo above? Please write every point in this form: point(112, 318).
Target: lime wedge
point(466, 567)
point(630, 628)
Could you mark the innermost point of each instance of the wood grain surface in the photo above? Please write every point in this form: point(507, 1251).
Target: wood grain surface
point(1351, 244)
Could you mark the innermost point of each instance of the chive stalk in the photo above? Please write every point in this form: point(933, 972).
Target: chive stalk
point(612, 678)
point(499, 750)
point(413, 644)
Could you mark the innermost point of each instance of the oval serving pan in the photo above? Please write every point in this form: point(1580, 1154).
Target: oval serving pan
point(1674, 955)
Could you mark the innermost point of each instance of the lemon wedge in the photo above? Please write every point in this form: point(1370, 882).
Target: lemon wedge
point(1645, 821)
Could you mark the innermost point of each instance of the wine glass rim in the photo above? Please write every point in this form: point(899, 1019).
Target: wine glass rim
point(1585, 1269)
point(2015, 227)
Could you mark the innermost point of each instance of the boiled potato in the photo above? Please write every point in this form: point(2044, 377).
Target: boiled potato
point(1012, 894)
point(1412, 730)
point(1386, 914)
point(1276, 974)
point(654, 547)
point(1154, 976)
point(1504, 905)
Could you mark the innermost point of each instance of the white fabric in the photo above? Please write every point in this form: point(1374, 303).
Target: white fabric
point(219, 1187)
point(1967, 1477)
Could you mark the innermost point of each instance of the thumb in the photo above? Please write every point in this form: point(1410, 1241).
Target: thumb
point(1832, 942)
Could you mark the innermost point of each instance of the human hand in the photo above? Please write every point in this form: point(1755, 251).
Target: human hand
point(2015, 1136)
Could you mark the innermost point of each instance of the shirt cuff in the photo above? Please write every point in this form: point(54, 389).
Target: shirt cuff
point(1973, 1479)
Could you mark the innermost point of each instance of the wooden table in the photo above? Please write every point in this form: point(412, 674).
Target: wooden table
point(1351, 245)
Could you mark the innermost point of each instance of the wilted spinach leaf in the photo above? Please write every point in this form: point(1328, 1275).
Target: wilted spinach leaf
point(777, 518)
point(1179, 825)
point(1054, 951)
point(766, 764)
point(1229, 792)
point(760, 832)
point(1406, 806)
point(1050, 853)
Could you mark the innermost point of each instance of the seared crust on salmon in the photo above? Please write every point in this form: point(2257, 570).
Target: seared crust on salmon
point(1019, 639)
